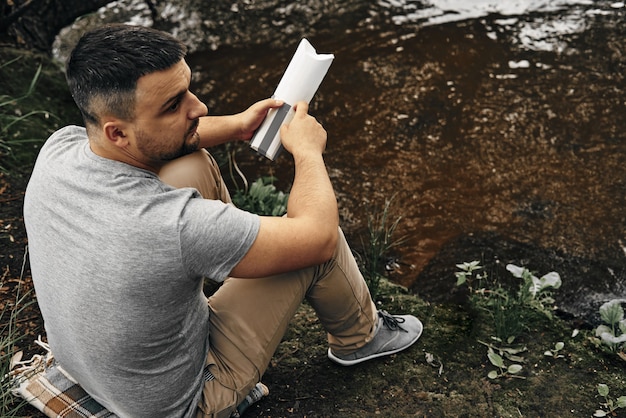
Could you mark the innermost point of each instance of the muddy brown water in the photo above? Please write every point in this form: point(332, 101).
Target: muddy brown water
point(474, 137)
point(500, 138)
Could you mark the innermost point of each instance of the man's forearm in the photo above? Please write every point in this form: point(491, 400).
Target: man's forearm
point(216, 130)
point(312, 193)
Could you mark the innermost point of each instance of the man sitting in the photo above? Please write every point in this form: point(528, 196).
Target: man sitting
point(127, 216)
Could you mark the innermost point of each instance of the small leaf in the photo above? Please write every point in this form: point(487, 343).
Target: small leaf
point(603, 390)
point(602, 329)
point(559, 346)
point(495, 359)
point(575, 332)
point(461, 278)
point(621, 402)
point(514, 368)
point(599, 413)
point(492, 374)
point(608, 337)
point(551, 279)
point(515, 270)
point(612, 311)
point(514, 350)
point(516, 359)
point(548, 353)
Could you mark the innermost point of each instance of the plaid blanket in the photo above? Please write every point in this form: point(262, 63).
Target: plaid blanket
point(46, 386)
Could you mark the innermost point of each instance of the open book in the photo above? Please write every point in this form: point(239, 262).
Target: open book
point(301, 79)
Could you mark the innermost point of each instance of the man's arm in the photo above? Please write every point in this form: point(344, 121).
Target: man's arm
point(215, 130)
point(308, 234)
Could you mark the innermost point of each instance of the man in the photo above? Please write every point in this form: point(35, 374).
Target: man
point(127, 216)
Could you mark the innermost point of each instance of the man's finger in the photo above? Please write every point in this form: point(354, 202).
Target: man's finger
point(301, 108)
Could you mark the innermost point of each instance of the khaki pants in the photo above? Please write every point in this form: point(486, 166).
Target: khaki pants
point(249, 317)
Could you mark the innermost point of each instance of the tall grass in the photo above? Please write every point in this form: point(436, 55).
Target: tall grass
point(380, 241)
point(9, 338)
point(12, 118)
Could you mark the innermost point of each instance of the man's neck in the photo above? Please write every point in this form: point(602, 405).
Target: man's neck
point(121, 155)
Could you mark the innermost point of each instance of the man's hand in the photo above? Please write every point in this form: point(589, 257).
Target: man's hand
point(215, 130)
point(304, 133)
point(252, 117)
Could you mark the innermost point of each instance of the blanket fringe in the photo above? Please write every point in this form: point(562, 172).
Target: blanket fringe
point(22, 370)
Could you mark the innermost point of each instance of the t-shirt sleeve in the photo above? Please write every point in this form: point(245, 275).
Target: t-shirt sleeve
point(215, 236)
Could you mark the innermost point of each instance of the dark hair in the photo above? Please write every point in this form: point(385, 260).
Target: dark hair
point(103, 69)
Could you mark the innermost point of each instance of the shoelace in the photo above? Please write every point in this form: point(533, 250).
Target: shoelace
point(391, 322)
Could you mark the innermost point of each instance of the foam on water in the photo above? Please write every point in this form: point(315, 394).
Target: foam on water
point(542, 34)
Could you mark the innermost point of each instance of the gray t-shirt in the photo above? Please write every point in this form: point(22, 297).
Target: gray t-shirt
point(118, 260)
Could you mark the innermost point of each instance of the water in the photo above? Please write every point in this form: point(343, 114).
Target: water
point(480, 118)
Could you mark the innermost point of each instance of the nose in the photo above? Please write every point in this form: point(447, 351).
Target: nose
point(197, 109)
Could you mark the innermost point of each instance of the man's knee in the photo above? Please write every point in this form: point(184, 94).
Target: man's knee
point(197, 170)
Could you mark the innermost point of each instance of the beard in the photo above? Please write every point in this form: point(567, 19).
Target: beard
point(190, 143)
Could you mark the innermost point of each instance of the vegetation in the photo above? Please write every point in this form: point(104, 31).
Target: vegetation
point(262, 198)
point(13, 119)
point(511, 311)
point(34, 102)
point(609, 404)
point(10, 338)
point(375, 255)
point(613, 332)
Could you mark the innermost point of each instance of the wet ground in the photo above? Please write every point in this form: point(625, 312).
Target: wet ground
point(496, 128)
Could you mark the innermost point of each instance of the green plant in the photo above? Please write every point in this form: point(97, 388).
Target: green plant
point(534, 292)
point(262, 198)
point(554, 352)
point(609, 404)
point(613, 333)
point(11, 117)
point(497, 360)
point(467, 274)
point(511, 311)
point(373, 261)
point(508, 314)
point(9, 338)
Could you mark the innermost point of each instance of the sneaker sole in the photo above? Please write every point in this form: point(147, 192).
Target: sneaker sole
point(373, 356)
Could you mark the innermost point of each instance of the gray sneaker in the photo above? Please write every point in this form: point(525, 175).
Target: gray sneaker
point(393, 334)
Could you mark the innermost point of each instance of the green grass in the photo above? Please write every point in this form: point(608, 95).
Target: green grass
point(34, 102)
point(10, 337)
point(373, 258)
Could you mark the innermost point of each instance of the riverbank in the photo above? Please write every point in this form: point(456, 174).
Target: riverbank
point(443, 375)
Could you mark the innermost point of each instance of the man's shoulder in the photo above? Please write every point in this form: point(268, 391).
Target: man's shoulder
point(69, 133)
point(66, 136)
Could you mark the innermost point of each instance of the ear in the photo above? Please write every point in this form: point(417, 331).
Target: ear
point(117, 133)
